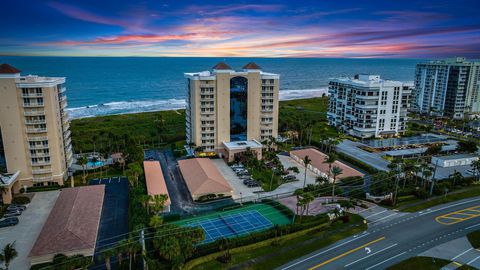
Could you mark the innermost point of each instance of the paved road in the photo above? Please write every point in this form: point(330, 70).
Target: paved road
point(387, 243)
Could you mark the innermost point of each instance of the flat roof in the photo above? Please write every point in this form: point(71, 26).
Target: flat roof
point(318, 161)
point(453, 157)
point(240, 145)
point(72, 225)
point(155, 181)
point(202, 177)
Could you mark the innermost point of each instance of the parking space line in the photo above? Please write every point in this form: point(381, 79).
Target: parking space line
point(459, 255)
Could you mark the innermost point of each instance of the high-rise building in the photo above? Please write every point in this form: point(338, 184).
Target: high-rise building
point(448, 87)
point(34, 128)
point(229, 111)
point(366, 106)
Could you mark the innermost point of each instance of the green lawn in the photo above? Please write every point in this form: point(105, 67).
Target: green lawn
point(272, 256)
point(268, 211)
point(467, 193)
point(265, 177)
point(423, 263)
point(474, 238)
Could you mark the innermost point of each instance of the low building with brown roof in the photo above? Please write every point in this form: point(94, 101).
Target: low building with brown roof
point(203, 178)
point(318, 165)
point(156, 182)
point(72, 226)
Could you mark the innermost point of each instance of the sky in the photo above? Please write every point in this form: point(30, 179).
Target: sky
point(317, 28)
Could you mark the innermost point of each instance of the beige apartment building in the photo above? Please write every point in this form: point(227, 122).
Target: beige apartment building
point(34, 129)
point(230, 110)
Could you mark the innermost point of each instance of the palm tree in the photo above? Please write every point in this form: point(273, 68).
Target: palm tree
point(308, 198)
point(336, 171)
point(82, 161)
point(298, 193)
point(132, 247)
point(107, 254)
point(8, 254)
point(330, 159)
point(476, 169)
point(306, 161)
point(456, 177)
point(159, 202)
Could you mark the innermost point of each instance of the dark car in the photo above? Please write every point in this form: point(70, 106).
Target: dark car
point(12, 213)
point(12, 221)
point(14, 207)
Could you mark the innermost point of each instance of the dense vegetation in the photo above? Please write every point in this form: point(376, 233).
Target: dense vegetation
point(474, 238)
point(424, 263)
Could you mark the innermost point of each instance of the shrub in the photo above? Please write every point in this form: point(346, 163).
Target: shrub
point(171, 217)
point(21, 200)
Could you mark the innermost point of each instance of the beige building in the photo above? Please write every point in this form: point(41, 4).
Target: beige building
point(34, 129)
point(226, 106)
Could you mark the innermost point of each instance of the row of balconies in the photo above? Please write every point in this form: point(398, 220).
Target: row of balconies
point(36, 130)
point(42, 179)
point(32, 95)
point(36, 121)
point(38, 146)
point(32, 104)
point(41, 171)
point(34, 113)
point(41, 163)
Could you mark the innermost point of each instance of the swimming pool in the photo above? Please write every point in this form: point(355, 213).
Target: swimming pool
point(96, 164)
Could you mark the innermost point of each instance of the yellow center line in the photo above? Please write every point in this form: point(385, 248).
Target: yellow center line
point(458, 264)
point(346, 253)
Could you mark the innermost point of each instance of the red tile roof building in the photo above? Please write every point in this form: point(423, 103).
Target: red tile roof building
point(155, 181)
point(222, 65)
point(72, 226)
point(318, 165)
point(7, 69)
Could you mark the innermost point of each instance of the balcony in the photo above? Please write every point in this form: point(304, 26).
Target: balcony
point(62, 90)
point(34, 122)
point(32, 105)
point(38, 146)
point(63, 98)
point(39, 155)
point(41, 163)
point(42, 179)
point(32, 95)
point(34, 113)
point(67, 133)
point(37, 139)
point(36, 130)
point(41, 171)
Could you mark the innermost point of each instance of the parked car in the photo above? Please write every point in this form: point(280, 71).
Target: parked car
point(15, 207)
point(12, 213)
point(289, 178)
point(12, 221)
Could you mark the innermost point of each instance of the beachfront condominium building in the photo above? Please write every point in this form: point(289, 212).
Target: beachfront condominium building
point(34, 130)
point(448, 88)
point(367, 106)
point(229, 111)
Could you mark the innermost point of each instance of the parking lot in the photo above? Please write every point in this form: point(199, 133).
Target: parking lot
point(239, 188)
point(25, 233)
point(114, 220)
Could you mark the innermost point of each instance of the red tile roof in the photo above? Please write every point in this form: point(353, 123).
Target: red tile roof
point(155, 180)
point(73, 222)
point(318, 158)
point(7, 69)
point(222, 65)
point(251, 65)
point(202, 177)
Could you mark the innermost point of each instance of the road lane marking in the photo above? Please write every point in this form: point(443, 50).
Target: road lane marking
point(468, 228)
point(346, 253)
point(454, 258)
point(347, 265)
point(389, 259)
point(445, 219)
point(325, 251)
point(383, 218)
point(378, 213)
point(470, 262)
point(457, 264)
point(448, 206)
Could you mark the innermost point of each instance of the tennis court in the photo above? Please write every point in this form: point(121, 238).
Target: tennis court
point(237, 222)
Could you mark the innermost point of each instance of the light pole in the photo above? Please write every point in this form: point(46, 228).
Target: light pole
point(241, 198)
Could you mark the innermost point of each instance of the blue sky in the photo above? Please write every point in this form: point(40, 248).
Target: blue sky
point(416, 29)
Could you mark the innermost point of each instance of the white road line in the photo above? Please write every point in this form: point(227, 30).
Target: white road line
point(389, 259)
point(446, 207)
point(468, 228)
point(378, 213)
point(325, 251)
point(470, 262)
point(461, 254)
point(394, 214)
point(370, 255)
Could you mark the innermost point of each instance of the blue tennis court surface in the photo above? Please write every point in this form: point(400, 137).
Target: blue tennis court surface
point(225, 226)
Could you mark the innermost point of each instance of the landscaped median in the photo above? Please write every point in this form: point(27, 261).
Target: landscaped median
point(423, 263)
point(279, 250)
point(474, 238)
point(469, 192)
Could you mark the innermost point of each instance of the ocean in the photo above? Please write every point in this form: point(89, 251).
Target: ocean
point(118, 85)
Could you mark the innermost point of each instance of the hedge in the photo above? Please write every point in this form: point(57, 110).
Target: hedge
point(21, 200)
point(195, 262)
